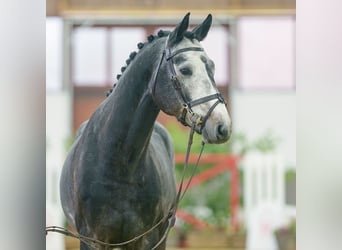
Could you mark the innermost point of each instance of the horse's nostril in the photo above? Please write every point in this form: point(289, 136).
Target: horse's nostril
point(222, 131)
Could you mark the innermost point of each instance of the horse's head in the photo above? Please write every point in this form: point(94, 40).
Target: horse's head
point(186, 87)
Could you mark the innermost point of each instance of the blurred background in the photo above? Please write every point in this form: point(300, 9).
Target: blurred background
point(243, 195)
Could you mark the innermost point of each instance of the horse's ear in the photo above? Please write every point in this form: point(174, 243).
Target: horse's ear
point(177, 34)
point(201, 30)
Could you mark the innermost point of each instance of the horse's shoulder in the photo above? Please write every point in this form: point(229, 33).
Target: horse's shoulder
point(161, 130)
point(165, 137)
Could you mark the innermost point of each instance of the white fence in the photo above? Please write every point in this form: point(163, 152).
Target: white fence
point(57, 131)
point(54, 215)
point(264, 199)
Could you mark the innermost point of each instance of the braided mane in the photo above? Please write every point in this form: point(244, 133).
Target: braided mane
point(140, 45)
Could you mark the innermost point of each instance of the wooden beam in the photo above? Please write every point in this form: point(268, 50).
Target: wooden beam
point(171, 13)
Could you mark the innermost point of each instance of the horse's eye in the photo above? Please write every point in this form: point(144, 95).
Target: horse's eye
point(186, 71)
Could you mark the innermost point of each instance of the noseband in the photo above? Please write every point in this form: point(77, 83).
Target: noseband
point(187, 105)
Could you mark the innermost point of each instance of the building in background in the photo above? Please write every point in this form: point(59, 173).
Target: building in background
point(251, 42)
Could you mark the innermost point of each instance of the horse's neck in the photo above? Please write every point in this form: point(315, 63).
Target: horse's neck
point(139, 128)
point(131, 113)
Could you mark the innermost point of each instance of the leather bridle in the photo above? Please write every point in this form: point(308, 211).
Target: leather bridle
point(187, 105)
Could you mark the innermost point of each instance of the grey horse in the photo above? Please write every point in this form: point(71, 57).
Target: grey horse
point(118, 179)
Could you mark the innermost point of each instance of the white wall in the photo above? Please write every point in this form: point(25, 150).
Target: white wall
point(254, 112)
point(58, 129)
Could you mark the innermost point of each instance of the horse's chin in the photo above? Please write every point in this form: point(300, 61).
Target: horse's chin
point(208, 140)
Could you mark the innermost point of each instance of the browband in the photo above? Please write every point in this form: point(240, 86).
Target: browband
point(169, 55)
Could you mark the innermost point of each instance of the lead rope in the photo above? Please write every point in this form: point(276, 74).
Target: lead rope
point(186, 163)
point(89, 240)
point(171, 217)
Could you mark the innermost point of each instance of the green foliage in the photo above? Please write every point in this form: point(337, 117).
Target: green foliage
point(290, 175)
point(239, 144)
point(288, 229)
point(266, 142)
point(213, 196)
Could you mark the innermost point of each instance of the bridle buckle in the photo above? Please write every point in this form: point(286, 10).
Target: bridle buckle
point(195, 118)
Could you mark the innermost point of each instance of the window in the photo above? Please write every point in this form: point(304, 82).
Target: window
point(89, 56)
point(266, 48)
point(216, 45)
point(100, 52)
point(124, 41)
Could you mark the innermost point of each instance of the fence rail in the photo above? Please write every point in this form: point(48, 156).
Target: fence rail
point(221, 163)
